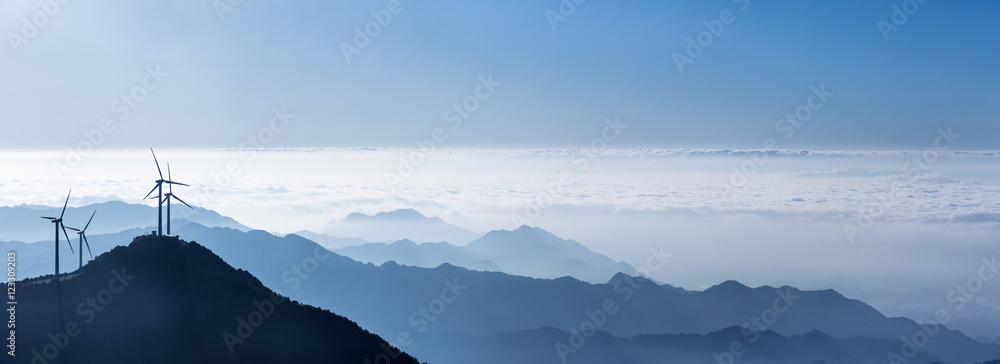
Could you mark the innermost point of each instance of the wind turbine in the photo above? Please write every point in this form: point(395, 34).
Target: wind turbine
point(170, 194)
point(58, 221)
point(159, 186)
point(83, 238)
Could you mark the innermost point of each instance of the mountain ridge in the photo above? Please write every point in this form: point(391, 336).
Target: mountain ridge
point(172, 301)
point(397, 225)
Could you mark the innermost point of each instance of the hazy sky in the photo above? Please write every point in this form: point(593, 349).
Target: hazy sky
point(225, 74)
point(520, 77)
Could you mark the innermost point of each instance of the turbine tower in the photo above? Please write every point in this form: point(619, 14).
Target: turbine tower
point(83, 238)
point(170, 195)
point(58, 221)
point(159, 186)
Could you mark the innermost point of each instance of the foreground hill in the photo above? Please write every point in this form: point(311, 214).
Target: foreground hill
point(163, 300)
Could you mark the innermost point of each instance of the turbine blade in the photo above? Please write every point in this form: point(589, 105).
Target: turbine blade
point(74, 229)
point(152, 190)
point(84, 236)
point(66, 203)
point(182, 201)
point(50, 218)
point(157, 163)
point(91, 219)
point(177, 183)
point(68, 242)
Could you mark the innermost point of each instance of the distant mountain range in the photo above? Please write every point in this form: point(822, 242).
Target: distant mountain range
point(398, 225)
point(331, 242)
point(427, 255)
point(428, 304)
point(489, 303)
point(538, 346)
point(444, 305)
point(526, 251)
point(162, 300)
point(977, 318)
point(22, 222)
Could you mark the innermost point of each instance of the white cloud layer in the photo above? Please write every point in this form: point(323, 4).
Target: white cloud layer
point(619, 204)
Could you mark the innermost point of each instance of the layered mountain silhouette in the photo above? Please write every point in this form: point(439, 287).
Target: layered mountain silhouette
point(329, 241)
point(539, 346)
point(526, 251)
point(397, 225)
point(447, 305)
point(977, 318)
point(163, 300)
point(21, 223)
point(426, 255)
point(392, 299)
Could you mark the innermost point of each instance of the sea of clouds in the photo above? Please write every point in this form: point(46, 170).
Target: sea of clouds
point(790, 213)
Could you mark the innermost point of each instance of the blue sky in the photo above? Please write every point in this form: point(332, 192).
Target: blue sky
point(607, 59)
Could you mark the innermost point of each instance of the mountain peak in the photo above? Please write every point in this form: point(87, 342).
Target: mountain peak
point(729, 286)
point(404, 242)
point(407, 213)
point(397, 225)
point(526, 228)
point(402, 213)
point(638, 279)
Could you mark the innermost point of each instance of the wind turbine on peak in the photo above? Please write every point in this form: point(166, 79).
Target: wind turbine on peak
point(159, 186)
point(59, 224)
point(170, 195)
point(83, 238)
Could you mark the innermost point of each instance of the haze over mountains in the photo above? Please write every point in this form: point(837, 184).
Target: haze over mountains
point(405, 224)
point(19, 222)
point(526, 251)
point(447, 313)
